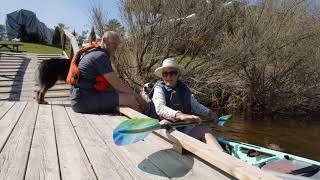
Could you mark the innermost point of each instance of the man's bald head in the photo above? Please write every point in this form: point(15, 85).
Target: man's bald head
point(110, 36)
point(110, 41)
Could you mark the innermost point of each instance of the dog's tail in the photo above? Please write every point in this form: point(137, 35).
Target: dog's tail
point(41, 73)
point(37, 75)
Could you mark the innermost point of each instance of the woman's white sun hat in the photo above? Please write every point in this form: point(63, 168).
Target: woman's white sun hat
point(169, 62)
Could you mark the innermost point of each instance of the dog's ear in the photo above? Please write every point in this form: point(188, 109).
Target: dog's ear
point(150, 85)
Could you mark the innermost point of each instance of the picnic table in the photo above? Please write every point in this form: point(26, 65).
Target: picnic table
point(11, 46)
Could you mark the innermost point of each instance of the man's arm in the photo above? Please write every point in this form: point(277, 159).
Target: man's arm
point(121, 87)
point(200, 109)
point(117, 84)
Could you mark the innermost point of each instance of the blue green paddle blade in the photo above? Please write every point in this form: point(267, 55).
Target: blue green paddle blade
point(223, 119)
point(134, 130)
point(122, 139)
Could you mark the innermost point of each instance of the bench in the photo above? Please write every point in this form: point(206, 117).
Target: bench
point(11, 46)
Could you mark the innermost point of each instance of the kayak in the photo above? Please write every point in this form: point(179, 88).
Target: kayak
point(285, 165)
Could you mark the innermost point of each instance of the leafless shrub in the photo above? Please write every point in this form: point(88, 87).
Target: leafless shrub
point(256, 58)
point(156, 28)
point(274, 53)
point(98, 17)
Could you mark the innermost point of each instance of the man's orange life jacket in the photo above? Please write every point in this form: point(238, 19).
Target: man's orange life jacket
point(100, 84)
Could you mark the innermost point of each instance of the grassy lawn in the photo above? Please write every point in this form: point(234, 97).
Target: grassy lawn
point(38, 48)
point(185, 60)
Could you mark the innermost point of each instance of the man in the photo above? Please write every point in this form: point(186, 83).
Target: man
point(95, 63)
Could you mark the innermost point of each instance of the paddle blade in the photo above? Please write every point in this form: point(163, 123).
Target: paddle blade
point(134, 130)
point(122, 139)
point(138, 125)
point(223, 119)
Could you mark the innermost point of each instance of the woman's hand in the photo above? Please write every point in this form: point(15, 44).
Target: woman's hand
point(187, 117)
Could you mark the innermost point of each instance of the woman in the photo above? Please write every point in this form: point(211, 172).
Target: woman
point(173, 101)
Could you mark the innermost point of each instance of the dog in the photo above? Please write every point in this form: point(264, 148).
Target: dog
point(146, 91)
point(48, 73)
point(147, 88)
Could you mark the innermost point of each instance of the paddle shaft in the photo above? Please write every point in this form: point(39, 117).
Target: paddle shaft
point(152, 128)
point(164, 126)
point(175, 125)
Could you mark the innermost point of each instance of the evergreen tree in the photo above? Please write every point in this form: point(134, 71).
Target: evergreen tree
point(74, 33)
point(56, 36)
point(81, 37)
point(2, 32)
point(114, 25)
point(92, 36)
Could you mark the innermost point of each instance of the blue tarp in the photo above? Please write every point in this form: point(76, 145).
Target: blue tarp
point(22, 17)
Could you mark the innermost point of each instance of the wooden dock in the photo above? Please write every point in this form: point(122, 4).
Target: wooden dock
point(53, 142)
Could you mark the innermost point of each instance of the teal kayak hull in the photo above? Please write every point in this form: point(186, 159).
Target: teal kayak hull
point(273, 161)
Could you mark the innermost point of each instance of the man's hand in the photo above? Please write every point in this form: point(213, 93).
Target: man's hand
point(188, 118)
point(142, 103)
point(212, 116)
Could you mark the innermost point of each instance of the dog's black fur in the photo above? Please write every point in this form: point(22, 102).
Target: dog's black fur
point(49, 72)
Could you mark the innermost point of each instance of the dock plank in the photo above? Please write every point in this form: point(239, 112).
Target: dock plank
point(7, 96)
point(199, 168)
point(3, 67)
point(49, 94)
point(74, 163)
point(6, 60)
point(13, 83)
point(105, 163)
point(8, 77)
point(43, 160)
point(32, 88)
point(129, 157)
point(14, 156)
point(5, 106)
point(11, 71)
point(9, 120)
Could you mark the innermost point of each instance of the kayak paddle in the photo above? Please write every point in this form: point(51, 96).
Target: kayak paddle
point(134, 130)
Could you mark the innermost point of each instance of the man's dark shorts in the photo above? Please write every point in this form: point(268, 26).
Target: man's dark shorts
point(90, 101)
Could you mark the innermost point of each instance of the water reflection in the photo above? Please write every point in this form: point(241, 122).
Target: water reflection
point(298, 136)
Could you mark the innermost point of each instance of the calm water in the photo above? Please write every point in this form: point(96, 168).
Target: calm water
point(298, 136)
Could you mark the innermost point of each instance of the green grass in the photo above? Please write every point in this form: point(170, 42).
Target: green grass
point(185, 60)
point(39, 48)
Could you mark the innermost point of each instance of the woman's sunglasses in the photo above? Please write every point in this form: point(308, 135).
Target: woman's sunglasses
point(171, 73)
